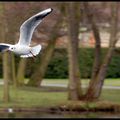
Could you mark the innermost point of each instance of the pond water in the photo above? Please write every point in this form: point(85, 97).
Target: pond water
point(59, 115)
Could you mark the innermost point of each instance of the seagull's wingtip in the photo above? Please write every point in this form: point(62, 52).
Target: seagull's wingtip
point(51, 9)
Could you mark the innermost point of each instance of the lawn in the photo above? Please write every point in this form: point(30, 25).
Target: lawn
point(51, 96)
point(29, 97)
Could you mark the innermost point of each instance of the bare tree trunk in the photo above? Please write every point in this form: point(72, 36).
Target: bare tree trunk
point(96, 84)
point(13, 70)
point(95, 87)
point(21, 72)
point(3, 30)
point(46, 55)
point(10, 38)
point(97, 59)
point(37, 77)
point(6, 77)
point(75, 91)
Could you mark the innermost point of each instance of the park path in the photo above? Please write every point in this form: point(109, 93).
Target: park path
point(64, 85)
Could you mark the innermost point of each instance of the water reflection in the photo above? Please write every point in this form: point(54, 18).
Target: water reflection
point(59, 115)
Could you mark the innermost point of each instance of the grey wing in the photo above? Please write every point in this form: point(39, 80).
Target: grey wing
point(4, 46)
point(28, 27)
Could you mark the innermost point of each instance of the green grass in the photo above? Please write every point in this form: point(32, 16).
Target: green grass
point(28, 97)
point(52, 96)
point(110, 95)
point(112, 82)
point(36, 98)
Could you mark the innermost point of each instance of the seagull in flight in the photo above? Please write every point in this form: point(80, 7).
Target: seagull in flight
point(22, 48)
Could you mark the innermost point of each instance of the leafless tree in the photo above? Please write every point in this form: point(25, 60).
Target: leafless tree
point(100, 68)
point(52, 29)
point(73, 18)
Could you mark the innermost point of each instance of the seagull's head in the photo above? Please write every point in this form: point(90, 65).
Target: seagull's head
point(12, 48)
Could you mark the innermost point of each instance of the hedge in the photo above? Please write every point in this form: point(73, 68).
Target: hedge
point(58, 66)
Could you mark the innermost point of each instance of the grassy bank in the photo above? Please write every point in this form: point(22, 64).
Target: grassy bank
point(52, 96)
point(48, 96)
point(32, 97)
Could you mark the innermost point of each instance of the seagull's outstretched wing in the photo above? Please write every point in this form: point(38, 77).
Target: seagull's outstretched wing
point(4, 47)
point(27, 28)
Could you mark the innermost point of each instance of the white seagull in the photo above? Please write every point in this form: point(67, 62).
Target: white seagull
point(23, 48)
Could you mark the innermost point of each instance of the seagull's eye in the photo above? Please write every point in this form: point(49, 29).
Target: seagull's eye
point(12, 48)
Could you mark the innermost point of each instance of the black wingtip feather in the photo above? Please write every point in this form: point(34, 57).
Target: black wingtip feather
point(51, 9)
point(3, 47)
point(43, 15)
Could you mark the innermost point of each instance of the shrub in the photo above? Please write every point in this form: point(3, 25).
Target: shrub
point(58, 66)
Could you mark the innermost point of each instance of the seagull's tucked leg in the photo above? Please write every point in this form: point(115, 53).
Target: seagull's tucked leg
point(35, 50)
point(32, 54)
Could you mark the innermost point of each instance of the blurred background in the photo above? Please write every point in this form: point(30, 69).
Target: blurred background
point(80, 46)
point(13, 14)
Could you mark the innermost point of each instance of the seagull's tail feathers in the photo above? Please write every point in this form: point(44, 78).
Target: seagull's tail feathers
point(34, 51)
